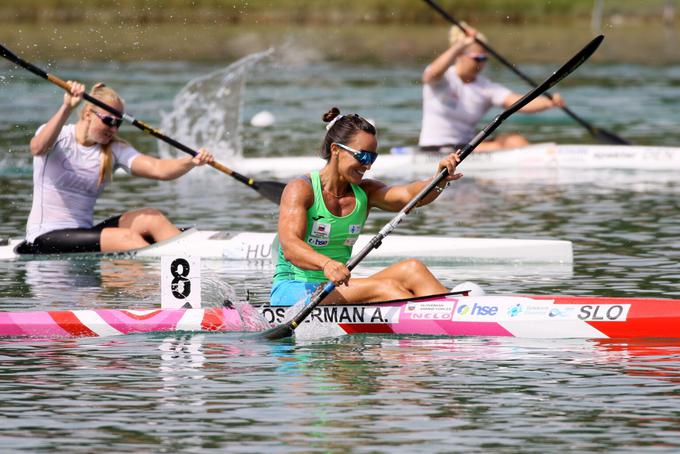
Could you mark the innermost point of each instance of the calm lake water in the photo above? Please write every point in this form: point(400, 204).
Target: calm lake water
point(224, 392)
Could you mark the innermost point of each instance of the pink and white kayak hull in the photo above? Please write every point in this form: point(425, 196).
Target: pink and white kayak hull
point(489, 315)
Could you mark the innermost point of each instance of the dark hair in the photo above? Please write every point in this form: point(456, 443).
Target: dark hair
point(343, 130)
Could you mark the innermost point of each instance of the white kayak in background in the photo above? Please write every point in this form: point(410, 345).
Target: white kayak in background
point(541, 156)
point(225, 245)
point(582, 156)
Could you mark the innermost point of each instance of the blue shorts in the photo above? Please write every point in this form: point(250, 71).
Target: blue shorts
point(287, 293)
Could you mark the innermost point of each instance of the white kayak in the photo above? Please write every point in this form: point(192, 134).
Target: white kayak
point(224, 245)
point(563, 156)
point(540, 156)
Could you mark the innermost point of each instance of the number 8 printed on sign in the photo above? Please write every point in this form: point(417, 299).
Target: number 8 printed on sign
point(180, 285)
point(180, 282)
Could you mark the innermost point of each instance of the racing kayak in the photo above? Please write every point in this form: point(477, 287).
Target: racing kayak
point(548, 156)
point(224, 245)
point(448, 315)
point(564, 156)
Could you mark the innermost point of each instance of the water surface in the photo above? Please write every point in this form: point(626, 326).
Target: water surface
point(198, 393)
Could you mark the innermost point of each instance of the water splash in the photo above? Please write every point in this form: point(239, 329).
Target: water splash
point(207, 111)
point(214, 292)
point(217, 293)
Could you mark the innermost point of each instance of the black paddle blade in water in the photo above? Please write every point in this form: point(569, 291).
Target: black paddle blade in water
point(282, 331)
point(287, 329)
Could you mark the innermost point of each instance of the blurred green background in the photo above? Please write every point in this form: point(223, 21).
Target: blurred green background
point(376, 31)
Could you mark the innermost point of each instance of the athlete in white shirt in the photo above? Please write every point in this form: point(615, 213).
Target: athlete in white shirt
point(71, 166)
point(456, 97)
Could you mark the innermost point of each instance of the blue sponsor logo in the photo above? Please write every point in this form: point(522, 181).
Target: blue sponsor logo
point(515, 310)
point(477, 310)
point(317, 241)
point(555, 312)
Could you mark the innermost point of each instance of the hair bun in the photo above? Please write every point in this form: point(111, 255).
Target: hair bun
point(330, 115)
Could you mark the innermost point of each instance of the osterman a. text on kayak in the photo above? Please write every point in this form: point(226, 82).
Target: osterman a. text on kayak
point(456, 96)
point(72, 163)
point(322, 214)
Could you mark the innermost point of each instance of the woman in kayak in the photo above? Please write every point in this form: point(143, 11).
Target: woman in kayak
point(456, 96)
point(71, 166)
point(323, 213)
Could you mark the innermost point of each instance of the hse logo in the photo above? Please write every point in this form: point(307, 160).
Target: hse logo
point(477, 310)
point(317, 241)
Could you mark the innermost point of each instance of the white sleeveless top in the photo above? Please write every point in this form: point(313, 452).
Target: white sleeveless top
point(65, 185)
point(452, 108)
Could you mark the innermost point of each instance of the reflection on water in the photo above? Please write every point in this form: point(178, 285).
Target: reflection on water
point(419, 391)
point(87, 283)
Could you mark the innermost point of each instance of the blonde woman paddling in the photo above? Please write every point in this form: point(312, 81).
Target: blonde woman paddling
point(72, 163)
point(456, 96)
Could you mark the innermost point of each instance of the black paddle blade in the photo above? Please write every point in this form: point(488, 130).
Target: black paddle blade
point(5, 52)
point(608, 137)
point(278, 332)
point(270, 190)
point(566, 69)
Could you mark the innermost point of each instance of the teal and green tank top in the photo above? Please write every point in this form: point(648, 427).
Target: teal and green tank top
point(330, 235)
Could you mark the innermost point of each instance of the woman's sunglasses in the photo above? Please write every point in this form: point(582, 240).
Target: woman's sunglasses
point(364, 157)
point(108, 120)
point(479, 58)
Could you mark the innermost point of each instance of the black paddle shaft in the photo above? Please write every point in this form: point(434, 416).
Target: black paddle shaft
point(287, 329)
point(271, 190)
point(600, 134)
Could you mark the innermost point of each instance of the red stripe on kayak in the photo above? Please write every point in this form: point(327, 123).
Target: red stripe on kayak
point(366, 328)
point(213, 319)
point(647, 317)
point(68, 321)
